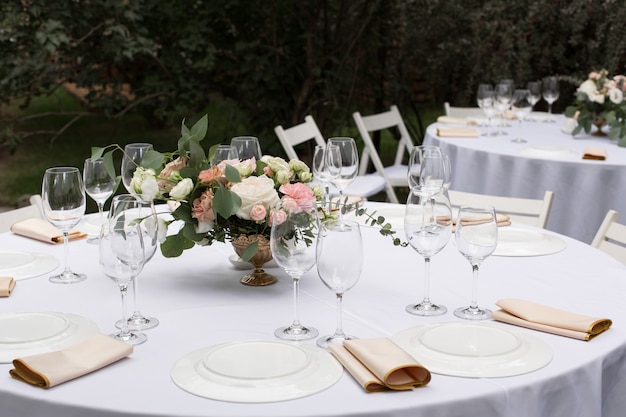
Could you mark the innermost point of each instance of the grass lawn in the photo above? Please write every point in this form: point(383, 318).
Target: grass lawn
point(22, 172)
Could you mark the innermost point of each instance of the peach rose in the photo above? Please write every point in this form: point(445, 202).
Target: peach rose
point(202, 210)
point(209, 175)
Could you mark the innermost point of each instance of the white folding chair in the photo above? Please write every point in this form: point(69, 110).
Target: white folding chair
point(8, 218)
point(363, 185)
point(396, 173)
point(611, 237)
point(529, 211)
point(462, 112)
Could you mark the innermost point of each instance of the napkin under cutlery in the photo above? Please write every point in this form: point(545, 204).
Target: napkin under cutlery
point(378, 364)
point(501, 220)
point(6, 286)
point(40, 229)
point(457, 132)
point(455, 121)
point(53, 368)
point(592, 152)
point(548, 319)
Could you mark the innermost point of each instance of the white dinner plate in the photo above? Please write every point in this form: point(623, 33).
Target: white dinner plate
point(394, 215)
point(548, 151)
point(31, 333)
point(514, 241)
point(475, 350)
point(23, 265)
point(256, 371)
point(239, 264)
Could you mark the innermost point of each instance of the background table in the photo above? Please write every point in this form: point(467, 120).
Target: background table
point(199, 302)
point(584, 190)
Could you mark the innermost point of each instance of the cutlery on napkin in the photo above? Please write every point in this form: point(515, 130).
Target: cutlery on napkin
point(379, 364)
point(548, 319)
point(6, 286)
point(40, 229)
point(592, 152)
point(455, 121)
point(53, 368)
point(457, 132)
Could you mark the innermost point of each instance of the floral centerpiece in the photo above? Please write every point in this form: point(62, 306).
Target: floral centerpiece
point(231, 201)
point(600, 102)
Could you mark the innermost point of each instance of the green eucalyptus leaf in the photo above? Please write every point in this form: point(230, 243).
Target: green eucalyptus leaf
point(174, 245)
point(189, 230)
point(153, 159)
point(109, 166)
point(250, 251)
point(232, 174)
point(96, 152)
point(200, 128)
point(196, 153)
point(225, 202)
point(212, 151)
point(184, 130)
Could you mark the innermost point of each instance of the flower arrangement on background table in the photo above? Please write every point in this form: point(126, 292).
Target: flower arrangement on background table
point(600, 102)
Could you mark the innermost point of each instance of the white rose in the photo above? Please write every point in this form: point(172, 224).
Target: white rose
point(589, 88)
point(182, 189)
point(598, 98)
point(275, 163)
point(616, 95)
point(297, 165)
point(144, 184)
point(283, 177)
point(253, 191)
point(306, 176)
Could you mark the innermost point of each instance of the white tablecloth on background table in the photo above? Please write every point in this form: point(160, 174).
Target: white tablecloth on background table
point(551, 160)
point(199, 302)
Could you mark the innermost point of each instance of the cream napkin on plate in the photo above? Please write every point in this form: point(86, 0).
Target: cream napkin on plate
point(457, 132)
point(455, 121)
point(6, 286)
point(548, 319)
point(592, 152)
point(40, 229)
point(379, 364)
point(501, 220)
point(53, 368)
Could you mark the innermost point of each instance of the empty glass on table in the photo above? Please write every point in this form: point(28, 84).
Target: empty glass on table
point(485, 97)
point(133, 155)
point(550, 92)
point(342, 159)
point(247, 147)
point(224, 153)
point(503, 98)
point(99, 185)
point(521, 107)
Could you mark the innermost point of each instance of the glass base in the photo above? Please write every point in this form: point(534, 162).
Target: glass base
point(335, 339)
point(296, 333)
point(139, 323)
point(132, 338)
point(68, 278)
point(426, 309)
point(94, 240)
point(469, 313)
point(519, 140)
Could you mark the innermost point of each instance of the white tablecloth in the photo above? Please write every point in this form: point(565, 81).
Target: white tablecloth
point(551, 160)
point(200, 302)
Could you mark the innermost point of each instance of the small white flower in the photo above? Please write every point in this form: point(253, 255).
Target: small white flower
point(616, 95)
point(144, 184)
point(182, 189)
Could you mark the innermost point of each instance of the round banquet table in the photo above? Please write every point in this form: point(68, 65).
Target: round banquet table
point(199, 302)
point(551, 160)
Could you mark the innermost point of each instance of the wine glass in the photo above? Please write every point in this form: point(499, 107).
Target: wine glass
point(550, 92)
point(521, 108)
point(424, 167)
point(122, 274)
point(293, 244)
point(535, 92)
point(63, 198)
point(428, 226)
point(347, 165)
point(224, 153)
point(503, 98)
point(320, 171)
point(133, 155)
point(476, 238)
point(485, 96)
point(127, 208)
point(247, 147)
point(99, 185)
point(339, 264)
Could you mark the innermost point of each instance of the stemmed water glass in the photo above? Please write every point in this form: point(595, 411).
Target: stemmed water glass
point(503, 98)
point(476, 238)
point(550, 92)
point(339, 265)
point(343, 165)
point(485, 97)
point(293, 242)
point(247, 147)
point(224, 153)
point(535, 92)
point(425, 167)
point(428, 226)
point(521, 107)
point(126, 208)
point(99, 185)
point(320, 171)
point(133, 155)
point(122, 274)
point(63, 197)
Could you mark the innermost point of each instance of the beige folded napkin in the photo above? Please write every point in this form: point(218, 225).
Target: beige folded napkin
point(6, 286)
point(548, 319)
point(455, 121)
point(40, 229)
point(591, 152)
point(53, 368)
point(457, 132)
point(501, 220)
point(379, 364)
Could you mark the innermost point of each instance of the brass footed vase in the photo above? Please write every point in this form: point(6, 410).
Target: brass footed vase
point(258, 277)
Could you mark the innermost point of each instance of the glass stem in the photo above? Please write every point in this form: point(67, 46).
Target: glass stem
point(341, 207)
point(136, 312)
point(339, 332)
point(426, 281)
point(66, 249)
point(101, 211)
point(124, 331)
point(296, 301)
point(474, 303)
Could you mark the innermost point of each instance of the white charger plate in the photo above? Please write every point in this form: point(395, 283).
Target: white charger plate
point(552, 152)
point(514, 241)
point(475, 350)
point(32, 333)
point(256, 371)
point(24, 265)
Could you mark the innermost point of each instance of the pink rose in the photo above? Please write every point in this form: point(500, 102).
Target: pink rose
point(290, 205)
point(172, 167)
point(277, 217)
point(302, 194)
point(203, 207)
point(258, 213)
